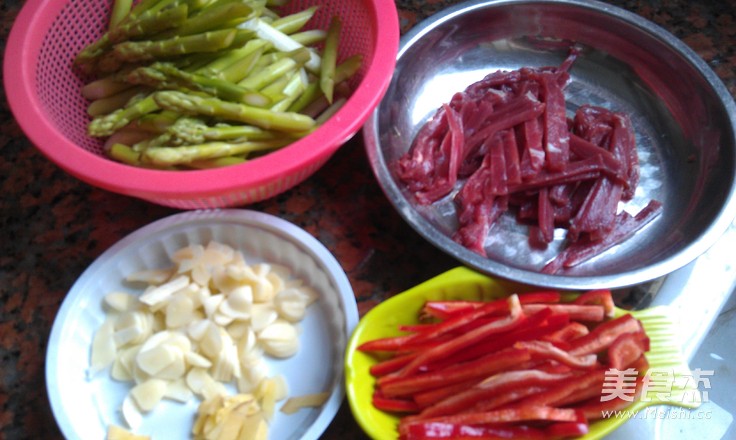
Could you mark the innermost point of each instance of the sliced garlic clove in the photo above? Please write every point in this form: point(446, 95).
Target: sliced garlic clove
point(176, 369)
point(263, 291)
point(291, 304)
point(194, 359)
point(124, 365)
point(150, 276)
point(211, 342)
point(212, 303)
point(121, 301)
point(221, 319)
point(179, 311)
point(131, 413)
point(149, 393)
point(261, 316)
point(178, 390)
point(104, 348)
point(154, 360)
point(196, 379)
point(164, 291)
point(238, 329)
point(197, 329)
point(279, 339)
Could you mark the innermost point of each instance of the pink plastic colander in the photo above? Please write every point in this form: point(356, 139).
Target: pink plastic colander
point(44, 95)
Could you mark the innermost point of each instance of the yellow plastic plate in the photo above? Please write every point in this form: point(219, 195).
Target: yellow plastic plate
point(461, 283)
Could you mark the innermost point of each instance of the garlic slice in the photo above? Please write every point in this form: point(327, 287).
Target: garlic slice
point(149, 393)
point(104, 349)
point(279, 339)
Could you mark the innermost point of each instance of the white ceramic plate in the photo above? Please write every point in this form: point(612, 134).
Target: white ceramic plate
point(84, 407)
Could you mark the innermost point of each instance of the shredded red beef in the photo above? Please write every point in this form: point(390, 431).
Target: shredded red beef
point(507, 142)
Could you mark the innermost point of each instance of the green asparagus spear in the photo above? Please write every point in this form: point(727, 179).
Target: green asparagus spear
point(120, 9)
point(260, 79)
point(211, 150)
point(215, 17)
point(216, 163)
point(188, 130)
point(166, 76)
point(236, 63)
point(191, 104)
point(104, 106)
point(105, 87)
point(343, 71)
point(329, 58)
point(106, 125)
point(290, 92)
point(309, 37)
point(294, 22)
point(125, 154)
point(212, 41)
point(157, 122)
point(149, 23)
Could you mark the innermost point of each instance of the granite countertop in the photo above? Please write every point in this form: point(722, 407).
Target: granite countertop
point(55, 226)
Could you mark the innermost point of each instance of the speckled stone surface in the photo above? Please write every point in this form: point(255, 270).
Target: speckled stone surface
point(54, 226)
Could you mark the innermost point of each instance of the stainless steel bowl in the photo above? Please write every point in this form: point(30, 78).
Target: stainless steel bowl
point(683, 116)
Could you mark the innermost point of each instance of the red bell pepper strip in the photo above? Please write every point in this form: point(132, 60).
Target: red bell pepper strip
point(534, 326)
point(501, 382)
point(587, 313)
point(445, 309)
point(515, 318)
point(428, 398)
point(394, 405)
point(571, 331)
point(386, 344)
point(466, 432)
point(560, 391)
point(391, 365)
point(505, 398)
point(402, 342)
point(462, 372)
point(600, 297)
point(503, 415)
point(627, 349)
point(604, 334)
point(547, 350)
